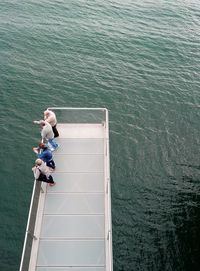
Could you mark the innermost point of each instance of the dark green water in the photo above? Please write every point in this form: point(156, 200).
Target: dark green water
point(141, 60)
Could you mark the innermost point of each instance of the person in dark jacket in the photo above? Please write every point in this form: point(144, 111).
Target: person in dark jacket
point(45, 154)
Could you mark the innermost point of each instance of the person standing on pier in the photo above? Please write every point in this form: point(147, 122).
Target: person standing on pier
point(42, 173)
point(50, 117)
point(47, 134)
point(45, 154)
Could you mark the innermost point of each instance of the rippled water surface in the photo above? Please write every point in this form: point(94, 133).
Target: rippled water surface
point(141, 60)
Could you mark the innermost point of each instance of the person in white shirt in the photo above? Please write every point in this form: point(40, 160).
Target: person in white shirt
point(42, 173)
point(47, 134)
point(50, 117)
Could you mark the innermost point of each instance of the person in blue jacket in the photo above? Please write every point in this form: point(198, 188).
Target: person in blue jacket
point(45, 155)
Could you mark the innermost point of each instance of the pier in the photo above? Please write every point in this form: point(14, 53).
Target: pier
point(69, 225)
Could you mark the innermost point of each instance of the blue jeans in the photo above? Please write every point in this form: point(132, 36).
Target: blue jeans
point(53, 143)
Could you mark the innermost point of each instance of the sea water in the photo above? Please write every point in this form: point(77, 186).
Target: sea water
point(140, 59)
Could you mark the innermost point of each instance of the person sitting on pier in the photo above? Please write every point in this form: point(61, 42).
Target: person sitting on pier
point(45, 154)
point(47, 134)
point(50, 117)
point(41, 172)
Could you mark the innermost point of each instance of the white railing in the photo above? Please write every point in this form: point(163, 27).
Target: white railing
point(29, 235)
point(108, 224)
point(79, 115)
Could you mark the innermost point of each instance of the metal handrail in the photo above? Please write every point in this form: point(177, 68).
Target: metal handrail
point(77, 108)
point(28, 226)
point(108, 195)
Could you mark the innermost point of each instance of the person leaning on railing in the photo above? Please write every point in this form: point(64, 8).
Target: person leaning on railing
point(50, 117)
point(42, 173)
point(45, 154)
point(47, 134)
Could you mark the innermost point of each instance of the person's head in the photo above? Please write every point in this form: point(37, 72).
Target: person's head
point(42, 123)
point(42, 146)
point(46, 113)
point(38, 162)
